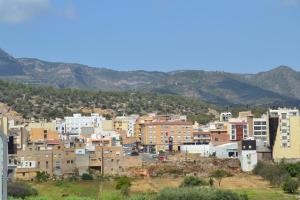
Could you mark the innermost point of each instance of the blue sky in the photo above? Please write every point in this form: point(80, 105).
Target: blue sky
point(225, 35)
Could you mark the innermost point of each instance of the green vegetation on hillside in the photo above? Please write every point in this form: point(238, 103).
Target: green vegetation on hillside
point(49, 102)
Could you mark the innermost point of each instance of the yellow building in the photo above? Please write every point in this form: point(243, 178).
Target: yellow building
point(165, 134)
point(288, 149)
point(121, 123)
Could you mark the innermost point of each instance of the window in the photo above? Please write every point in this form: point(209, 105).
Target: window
point(283, 115)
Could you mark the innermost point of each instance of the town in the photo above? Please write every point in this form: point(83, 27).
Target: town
point(79, 143)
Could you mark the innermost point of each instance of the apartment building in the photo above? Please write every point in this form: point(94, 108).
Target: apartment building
point(261, 129)
point(238, 130)
point(286, 123)
point(165, 135)
point(77, 121)
point(201, 137)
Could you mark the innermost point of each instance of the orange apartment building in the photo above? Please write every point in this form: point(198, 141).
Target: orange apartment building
point(165, 135)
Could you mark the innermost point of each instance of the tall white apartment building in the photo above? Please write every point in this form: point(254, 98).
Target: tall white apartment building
point(74, 124)
point(261, 129)
point(283, 115)
point(131, 125)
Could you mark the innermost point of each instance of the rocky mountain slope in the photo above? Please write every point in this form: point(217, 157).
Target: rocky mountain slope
point(280, 86)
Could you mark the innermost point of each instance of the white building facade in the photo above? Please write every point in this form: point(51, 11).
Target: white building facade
point(74, 124)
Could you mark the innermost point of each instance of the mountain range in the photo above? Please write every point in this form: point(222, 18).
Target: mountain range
point(279, 86)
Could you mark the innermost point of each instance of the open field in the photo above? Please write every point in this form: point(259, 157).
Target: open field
point(255, 187)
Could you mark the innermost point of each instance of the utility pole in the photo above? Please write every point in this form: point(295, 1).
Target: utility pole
point(100, 194)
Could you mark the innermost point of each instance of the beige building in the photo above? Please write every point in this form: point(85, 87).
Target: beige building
point(51, 126)
point(107, 125)
point(287, 141)
point(121, 123)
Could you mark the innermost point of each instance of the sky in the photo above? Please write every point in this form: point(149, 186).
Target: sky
point(242, 36)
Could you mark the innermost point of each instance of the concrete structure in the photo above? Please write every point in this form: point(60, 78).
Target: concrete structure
point(229, 150)
point(248, 155)
point(225, 116)
point(204, 150)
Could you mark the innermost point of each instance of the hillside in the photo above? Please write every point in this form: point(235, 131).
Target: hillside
point(48, 102)
point(280, 86)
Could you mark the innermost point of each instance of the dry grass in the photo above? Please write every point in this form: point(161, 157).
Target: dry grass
point(154, 184)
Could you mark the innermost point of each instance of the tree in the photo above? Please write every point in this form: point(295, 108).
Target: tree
point(42, 176)
point(211, 182)
point(219, 174)
point(290, 185)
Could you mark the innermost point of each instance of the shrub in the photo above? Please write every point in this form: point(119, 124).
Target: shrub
point(20, 190)
point(125, 190)
point(59, 183)
point(274, 173)
point(86, 177)
point(190, 181)
point(290, 185)
point(123, 184)
point(42, 176)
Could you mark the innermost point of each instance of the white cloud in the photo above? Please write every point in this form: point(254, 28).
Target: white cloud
point(18, 11)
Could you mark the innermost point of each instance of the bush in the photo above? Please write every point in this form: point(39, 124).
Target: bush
point(290, 185)
point(123, 181)
point(86, 177)
point(42, 177)
point(190, 181)
point(20, 190)
point(274, 173)
point(198, 194)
